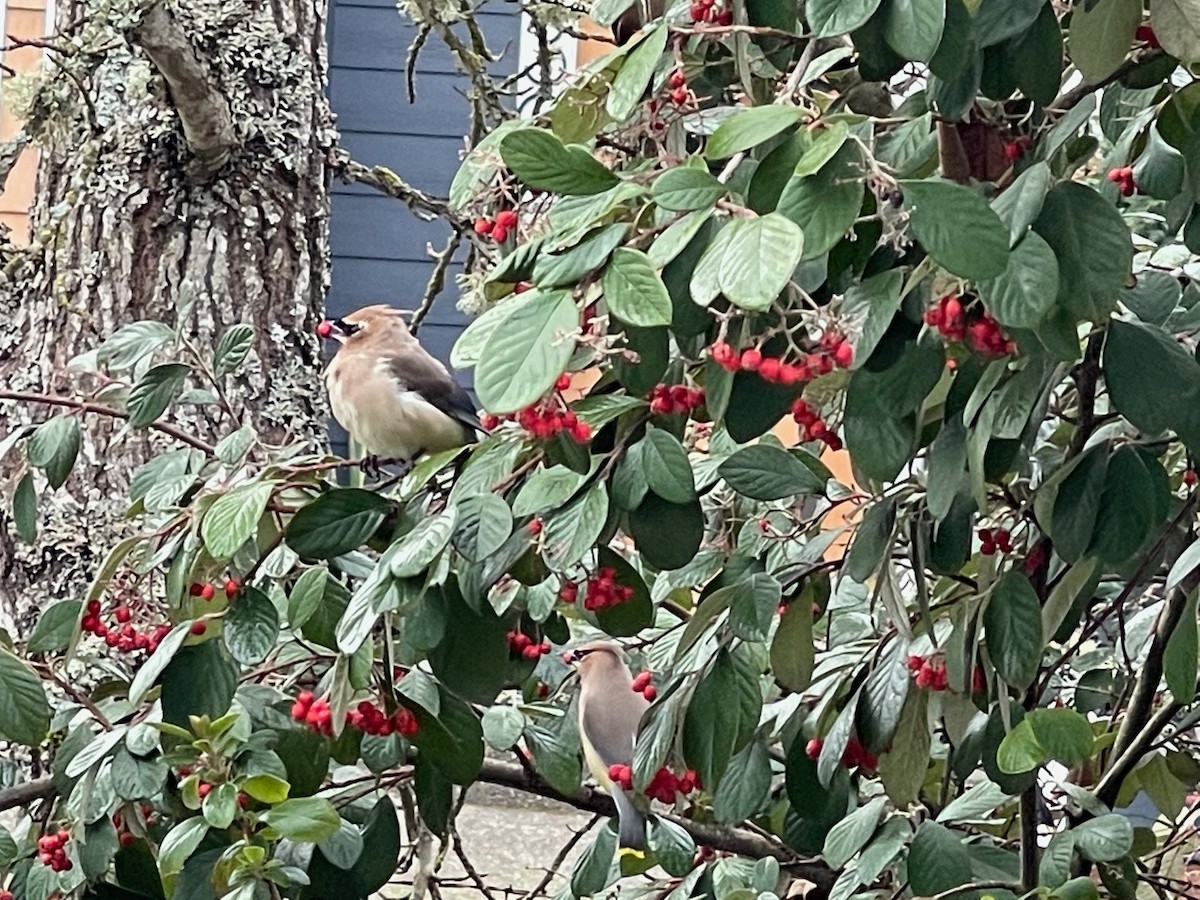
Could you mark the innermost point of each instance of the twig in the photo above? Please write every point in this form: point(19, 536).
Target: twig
point(437, 280)
point(96, 409)
point(1110, 783)
point(410, 61)
point(1029, 844)
point(561, 857)
point(461, 853)
point(1070, 98)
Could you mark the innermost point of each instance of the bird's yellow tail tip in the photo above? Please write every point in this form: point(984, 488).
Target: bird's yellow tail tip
point(631, 853)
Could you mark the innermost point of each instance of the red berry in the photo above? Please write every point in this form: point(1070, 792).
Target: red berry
point(207, 592)
point(813, 748)
point(122, 613)
point(650, 692)
point(126, 839)
point(725, 17)
point(534, 527)
point(199, 627)
point(203, 789)
point(677, 79)
point(194, 589)
point(1189, 477)
point(769, 369)
point(1146, 35)
point(1115, 175)
point(679, 96)
point(697, 11)
point(521, 287)
point(751, 359)
point(483, 226)
point(506, 218)
point(843, 355)
point(562, 382)
point(232, 587)
point(640, 681)
point(499, 233)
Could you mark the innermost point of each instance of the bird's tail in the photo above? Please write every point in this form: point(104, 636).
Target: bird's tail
point(631, 822)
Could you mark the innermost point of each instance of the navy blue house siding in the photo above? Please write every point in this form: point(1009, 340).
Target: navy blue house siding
point(378, 246)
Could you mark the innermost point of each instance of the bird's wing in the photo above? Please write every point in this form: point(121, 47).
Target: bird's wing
point(610, 725)
point(422, 373)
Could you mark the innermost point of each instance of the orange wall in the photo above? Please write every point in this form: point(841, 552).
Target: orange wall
point(23, 19)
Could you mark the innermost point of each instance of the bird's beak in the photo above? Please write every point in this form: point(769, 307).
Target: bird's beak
point(569, 657)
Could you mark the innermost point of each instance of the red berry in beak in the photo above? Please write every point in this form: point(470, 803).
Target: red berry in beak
point(566, 657)
point(324, 329)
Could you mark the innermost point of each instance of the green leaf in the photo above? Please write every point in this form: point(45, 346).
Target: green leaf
point(266, 788)
point(25, 510)
point(53, 448)
point(758, 258)
point(1079, 888)
point(947, 465)
point(764, 472)
point(637, 68)
point(571, 531)
point(541, 160)
point(180, 843)
point(337, 522)
point(232, 349)
point(1038, 58)
point(872, 540)
point(199, 681)
point(1101, 36)
point(551, 270)
point(1045, 734)
point(957, 228)
point(746, 785)
point(1077, 504)
point(937, 860)
point(668, 471)
point(233, 518)
point(825, 204)
point(131, 343)
point(830, 18)
point(655, 517)
point(1180, 659)
point(792, 651)
point(1022, 295)
point(721, 716)
point(753, 604)
point(629, 618)
point(591, 872)
point(527, 352)
point(634, 291)
point(453, 739)
point(1104, 838)
point(251, 626)
point(851, 834)
point(903, 767)
point(883, 698)
point(1177, 25)
point(913, 28)
point(381, 846)
point(750, 127)
point(1012, 625)
point(306, 595)
point(220, 806)
point(472, 657)
point(153, 393)
point(998, 20)
point(306, 819)
point(502, 726)
point(1131, 351)
point(55, 627)
point(484, 523)
point(344, 847)
point(1019, 205)
point(24, 712)
point(1093, 247)
point(9, 852)
point(876, 299)
point(1133, 506)
point(686, 188)
point(1055, 867)
point(153, 667)
point(672, 846)
point(413, 552)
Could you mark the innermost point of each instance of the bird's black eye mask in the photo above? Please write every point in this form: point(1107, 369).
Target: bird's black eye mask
point(347, 328)
point(574, 656)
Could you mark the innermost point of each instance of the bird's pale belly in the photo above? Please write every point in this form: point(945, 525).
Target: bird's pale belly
point(400, 427)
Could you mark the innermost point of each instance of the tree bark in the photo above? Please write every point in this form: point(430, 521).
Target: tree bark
point(153, 202)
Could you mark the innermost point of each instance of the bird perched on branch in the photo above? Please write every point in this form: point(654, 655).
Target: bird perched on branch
point(389, 393)
point(609, 714)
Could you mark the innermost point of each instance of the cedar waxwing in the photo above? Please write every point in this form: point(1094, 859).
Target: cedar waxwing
point(609, 715)
point(388, 392)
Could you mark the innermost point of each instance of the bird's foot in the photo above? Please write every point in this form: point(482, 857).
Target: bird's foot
point(370, 467)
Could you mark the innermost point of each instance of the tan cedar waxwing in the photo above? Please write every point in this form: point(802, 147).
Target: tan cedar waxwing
point(388, 392)
point(609, 714)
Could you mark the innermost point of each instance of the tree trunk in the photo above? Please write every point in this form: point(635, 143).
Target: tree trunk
point(189, 186)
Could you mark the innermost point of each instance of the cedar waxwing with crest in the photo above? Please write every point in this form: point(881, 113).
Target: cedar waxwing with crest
point(388, 392)
point(609, 714)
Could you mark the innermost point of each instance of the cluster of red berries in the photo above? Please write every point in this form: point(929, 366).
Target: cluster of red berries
point(1123, 179)
point(124, 836)
point(662, 787)
point(208, 591)
point(498, 229)
point(666, 400)
point(1000, 539)
point(366, 717)
point(641, 685)
point(930, 672)
point(521, 644)
point(855, 753)
point(975, 326)
point(834, 351)
point(1146, 35)
point(1015, 149)
point(546, 418)
point(707, 11)
point(601, 591)
point(52, 851)
point(677, 82)
point(122, 634)
point(812, 427)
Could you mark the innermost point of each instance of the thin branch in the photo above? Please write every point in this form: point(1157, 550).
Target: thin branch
point(1029, 844)
point(561, 857)
point(96, 409)
point(202, 108)
point(1071, 98)
point(437, 280)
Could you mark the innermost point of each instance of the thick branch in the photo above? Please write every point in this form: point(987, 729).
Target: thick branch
point(24, 794)
point(732, 840)
point(203, 110)
point(1110, 785)
point(95, 408)
point(1070, 98)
